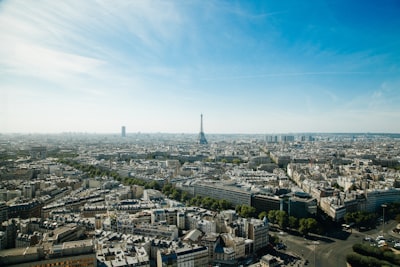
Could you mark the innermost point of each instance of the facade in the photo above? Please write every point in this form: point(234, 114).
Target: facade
point(375, 198)
point(258, 232)
point(75, 253)
point(231, 194)
point(266, 203)
point(25, 210)
point(3, 212)
point(336, 207)
point(183, 257)
point(38, 152)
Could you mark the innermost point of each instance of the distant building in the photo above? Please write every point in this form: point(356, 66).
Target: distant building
point(123, 131)
point(38, 152)
point(231, 194)
point(202, 137)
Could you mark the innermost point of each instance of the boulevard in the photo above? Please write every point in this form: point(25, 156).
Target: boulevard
point(331, 250)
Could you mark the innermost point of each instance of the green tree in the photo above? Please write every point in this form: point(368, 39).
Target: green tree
point(185, 196)
point(224, 204)
point(152, 185)
point(167, 188)
point(176, 194)
point(282, 218)
point(236, 161)
point(307, 225)
point(272, 216)
point(293, 222)
point(262, 214)
point(207, 202)
point(361, 218)
point(247, 211)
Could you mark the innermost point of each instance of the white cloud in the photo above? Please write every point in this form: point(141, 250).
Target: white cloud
point(38, 60)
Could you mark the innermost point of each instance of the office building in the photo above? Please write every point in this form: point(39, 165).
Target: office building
point(123, 131)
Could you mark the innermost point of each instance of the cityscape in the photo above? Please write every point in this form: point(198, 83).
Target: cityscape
point(136, 199)
point(165, 133)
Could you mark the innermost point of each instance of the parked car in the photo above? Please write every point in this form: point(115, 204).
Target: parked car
point(367, 238)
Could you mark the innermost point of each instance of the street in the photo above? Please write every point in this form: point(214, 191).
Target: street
point(331, 250)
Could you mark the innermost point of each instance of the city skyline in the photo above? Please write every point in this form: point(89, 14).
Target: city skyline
point(154, 66)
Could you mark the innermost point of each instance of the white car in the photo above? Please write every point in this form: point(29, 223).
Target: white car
point(397, 245)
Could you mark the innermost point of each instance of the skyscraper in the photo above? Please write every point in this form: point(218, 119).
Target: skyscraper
point(123, 131)
point(202, 137)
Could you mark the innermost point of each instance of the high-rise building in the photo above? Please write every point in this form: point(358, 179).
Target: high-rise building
point(123, 131)
point(202, 137)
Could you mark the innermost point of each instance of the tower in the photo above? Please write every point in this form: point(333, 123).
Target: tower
point(202, 137)
point(123, 131)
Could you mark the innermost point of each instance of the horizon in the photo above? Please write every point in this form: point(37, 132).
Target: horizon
point(196, 134)
point(154, 66)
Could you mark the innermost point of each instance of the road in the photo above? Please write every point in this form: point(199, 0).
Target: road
point(331, 250)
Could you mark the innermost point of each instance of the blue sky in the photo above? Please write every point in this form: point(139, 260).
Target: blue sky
point(155, 66)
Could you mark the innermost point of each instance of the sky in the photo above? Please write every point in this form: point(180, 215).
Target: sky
point(155, 66)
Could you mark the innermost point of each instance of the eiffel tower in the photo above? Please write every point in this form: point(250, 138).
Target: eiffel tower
point(202, 137)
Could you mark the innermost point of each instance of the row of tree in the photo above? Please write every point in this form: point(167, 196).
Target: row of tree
point(364, 255)
point(369, 219)
point(283, 220)
point(174, 193)
point(361, 219)
point(245, 211)
point(210, 203)
point(91, 170)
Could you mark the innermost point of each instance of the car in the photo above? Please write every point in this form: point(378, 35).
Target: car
point(380, 237)
point(397, 245)
point(382, 243)
point(280, 246)
point(367, 238)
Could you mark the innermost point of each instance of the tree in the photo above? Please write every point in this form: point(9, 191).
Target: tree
point(307, 225)
point(185, 196)
point(293, 222)
point(176, 194)
point(246, 211)
point(360, 218)
point(282, 219)
point(153, 185)
point(236, 161)
point(224, 204)
point(167, 188)
point(272, 216)
point(262, 215)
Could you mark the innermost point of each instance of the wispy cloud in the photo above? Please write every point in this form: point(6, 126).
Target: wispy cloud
point(174, 58)
point(287, 74)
